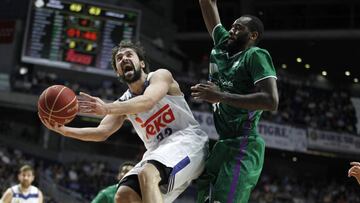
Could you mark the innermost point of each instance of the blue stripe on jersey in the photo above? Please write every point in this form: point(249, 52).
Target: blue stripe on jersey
point(21, 196)
point(178, 167)
point(132, 95)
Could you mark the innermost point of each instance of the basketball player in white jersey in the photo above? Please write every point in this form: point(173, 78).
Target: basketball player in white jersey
point(23, 192)
point(154, 104)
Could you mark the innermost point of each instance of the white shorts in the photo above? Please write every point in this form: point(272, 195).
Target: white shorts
point(185, 153)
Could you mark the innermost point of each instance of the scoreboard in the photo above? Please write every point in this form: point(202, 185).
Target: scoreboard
point(76, 35)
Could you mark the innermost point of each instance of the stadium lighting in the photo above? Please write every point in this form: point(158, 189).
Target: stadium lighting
point(23, 70)
point(294, 159)
point(307, 66)
point(284, 66)
point(324, 73)
point(298, 59)
point(356, 80)
point(347, 73)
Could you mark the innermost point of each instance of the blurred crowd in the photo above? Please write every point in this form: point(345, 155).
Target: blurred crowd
point(87, 178)
point(303, 190)
point(307, 106)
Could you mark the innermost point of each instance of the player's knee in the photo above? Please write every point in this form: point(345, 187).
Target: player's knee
point(149, 175)
point(125, 195)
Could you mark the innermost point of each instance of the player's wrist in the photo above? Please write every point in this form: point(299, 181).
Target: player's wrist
point(107, 109)
point(222, 96)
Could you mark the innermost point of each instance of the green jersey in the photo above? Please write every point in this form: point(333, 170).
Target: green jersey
point(106, 195)
point(237, 74)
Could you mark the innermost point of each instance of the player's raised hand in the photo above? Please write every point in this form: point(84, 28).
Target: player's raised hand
point(354, 171)
point(91, 105)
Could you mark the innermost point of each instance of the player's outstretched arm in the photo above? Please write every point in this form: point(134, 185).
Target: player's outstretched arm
point(354, 171)
point(108, 125)
point(210, 14)
point(266, 99)
point(7, 196)
point(159, 86)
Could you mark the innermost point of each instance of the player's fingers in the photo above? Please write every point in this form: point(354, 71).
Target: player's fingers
point(88, 110)
point(356, 169)
point(85, 110)
point(203, 85)
point(84, 96)
point(350, 170)
point(85, 106)
point(56, 125)
point(43, 121)
point(354, 163)
point(200, 89)
point(210, 83)
point(196, 94)
point(195, 87)
point(86, 103)
point(352, 174)
point(84, 99)
point(47, 124)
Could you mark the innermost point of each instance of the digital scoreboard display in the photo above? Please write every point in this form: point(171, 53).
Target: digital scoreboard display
point(76, 35)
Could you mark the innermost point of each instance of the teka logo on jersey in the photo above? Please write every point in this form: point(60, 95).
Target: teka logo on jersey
point(157, 121)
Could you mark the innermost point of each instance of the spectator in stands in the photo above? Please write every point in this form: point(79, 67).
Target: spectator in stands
point(354, 171)
point(23, 192)
point(107, 195)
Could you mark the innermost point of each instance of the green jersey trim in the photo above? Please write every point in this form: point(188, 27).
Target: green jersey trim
point(220, 34)
point(270, 76)
point(212, 33)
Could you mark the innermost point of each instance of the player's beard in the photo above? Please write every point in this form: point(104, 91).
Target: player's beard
point(25, 184)
point(135, 76)
point(238, 44)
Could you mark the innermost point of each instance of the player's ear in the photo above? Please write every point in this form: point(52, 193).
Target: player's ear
point(142, 64)
point(254, 35)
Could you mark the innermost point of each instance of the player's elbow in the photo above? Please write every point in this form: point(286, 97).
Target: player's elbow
point(103, 138)
point(101, 135)
point(273, 103)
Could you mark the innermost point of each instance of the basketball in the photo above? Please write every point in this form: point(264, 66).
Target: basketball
point(58, 104)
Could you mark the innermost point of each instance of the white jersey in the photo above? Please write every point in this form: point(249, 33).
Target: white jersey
point(31, 196)
point(173, 137)
point(169, 116)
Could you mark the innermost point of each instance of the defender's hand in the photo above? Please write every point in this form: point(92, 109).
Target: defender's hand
point(207, 92)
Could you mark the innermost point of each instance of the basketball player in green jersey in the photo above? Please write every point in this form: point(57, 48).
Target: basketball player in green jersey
point(242, 84)
point(107, 195)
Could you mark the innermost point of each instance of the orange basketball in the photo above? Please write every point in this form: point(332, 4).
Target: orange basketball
point(58, 104)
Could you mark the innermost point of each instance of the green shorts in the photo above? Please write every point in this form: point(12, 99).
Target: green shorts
point(233, 169)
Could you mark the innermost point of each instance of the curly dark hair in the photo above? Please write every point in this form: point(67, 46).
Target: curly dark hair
point(139, 50)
